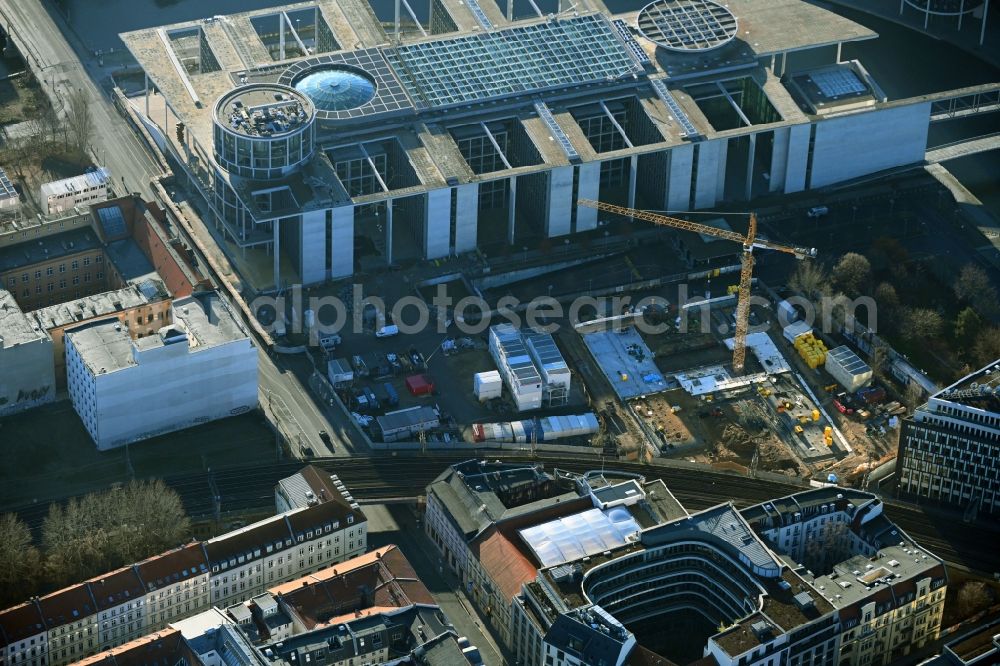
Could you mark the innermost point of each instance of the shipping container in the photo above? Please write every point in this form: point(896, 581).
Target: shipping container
point(487, 385)
point(389, 395)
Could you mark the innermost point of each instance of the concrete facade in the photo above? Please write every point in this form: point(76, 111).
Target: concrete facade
point(28, 376)
point(202, 367)
point(456, 168)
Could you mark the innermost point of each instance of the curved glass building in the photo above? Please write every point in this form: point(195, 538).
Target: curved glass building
point(263, 131)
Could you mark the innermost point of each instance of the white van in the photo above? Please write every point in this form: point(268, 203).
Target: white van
point(817, 211)
point(387, 331)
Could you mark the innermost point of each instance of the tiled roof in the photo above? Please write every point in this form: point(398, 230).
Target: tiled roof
point(67, 605)
point(116, 588)
point(172, 566)
point(246, 541)
point(382, 578)
point(503, 560)
point(20, 622)
point(163, 647)
point(317, 517)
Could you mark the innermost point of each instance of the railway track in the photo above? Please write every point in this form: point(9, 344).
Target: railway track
point(247, 488)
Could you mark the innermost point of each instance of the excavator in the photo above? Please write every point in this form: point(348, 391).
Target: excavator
point(749, 242)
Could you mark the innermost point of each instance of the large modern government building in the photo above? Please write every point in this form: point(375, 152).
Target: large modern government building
point(331, 137)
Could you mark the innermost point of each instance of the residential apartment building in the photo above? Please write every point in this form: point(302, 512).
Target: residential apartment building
point(140, 311)
point(122, 605)
point(201, 367)
point(477, 513)
point(593, 575)
point(246, 562)
point(368, 610)
point(949, 448)
point(55, 268)
point(25, 639)
point(71, 619)
point(118, 597)
point(175, 584)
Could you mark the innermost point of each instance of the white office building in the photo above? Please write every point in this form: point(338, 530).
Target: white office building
point(200, 368)
point(85, 189)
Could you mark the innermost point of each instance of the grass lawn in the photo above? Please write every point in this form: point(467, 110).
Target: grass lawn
point(46, 453)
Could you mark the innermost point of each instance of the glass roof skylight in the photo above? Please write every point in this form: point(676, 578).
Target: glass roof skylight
point(587, 533)
point(510, 62)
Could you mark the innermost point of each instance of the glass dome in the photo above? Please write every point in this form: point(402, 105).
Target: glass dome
point(336, 88)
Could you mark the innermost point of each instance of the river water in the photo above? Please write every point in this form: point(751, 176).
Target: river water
point(907, 63)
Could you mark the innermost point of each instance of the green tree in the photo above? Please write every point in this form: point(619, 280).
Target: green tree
point(852, 273)
point(20, 562)
point(968, 325)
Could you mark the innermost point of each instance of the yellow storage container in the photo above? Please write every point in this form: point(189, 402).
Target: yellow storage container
point(815, 415)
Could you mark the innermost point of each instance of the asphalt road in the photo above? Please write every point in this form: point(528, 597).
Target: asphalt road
point(59, 68)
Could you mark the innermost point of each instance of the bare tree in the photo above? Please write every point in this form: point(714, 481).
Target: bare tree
point(987, 346)
point(879, 360)
point(921, 324)
point(974, 287)
point(810, 279)
point(913, 395)
point(80, 120)
point(106, 530)
point(974, 596)
point(852, 272)
point(19, 560)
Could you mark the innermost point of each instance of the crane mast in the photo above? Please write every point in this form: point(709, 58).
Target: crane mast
point(749, 242)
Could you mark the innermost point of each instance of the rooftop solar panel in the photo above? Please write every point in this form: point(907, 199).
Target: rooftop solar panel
point(6, 187)
point(836, 83)
point(479, 15)
point(515, 61)
point(633, 46)
point(661, 91)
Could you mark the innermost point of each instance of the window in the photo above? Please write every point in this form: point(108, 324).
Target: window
point(62, 284)
point(50, 287)
point(76, 279)
point(86, 261)
point(62, 268)
point(49, 271)
point(75, 265)
point(100, 275)
point(12, 281)
point(38, 275)
point(99, 259)
point(86, 277)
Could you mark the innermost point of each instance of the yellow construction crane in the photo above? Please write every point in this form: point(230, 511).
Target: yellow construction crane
point(749, 242)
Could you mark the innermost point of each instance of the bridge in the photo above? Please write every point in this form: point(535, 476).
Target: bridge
point(964, 102)
point(963, 148)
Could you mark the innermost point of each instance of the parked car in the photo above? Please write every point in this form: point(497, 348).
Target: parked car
point(325, 436)
point(387, 331)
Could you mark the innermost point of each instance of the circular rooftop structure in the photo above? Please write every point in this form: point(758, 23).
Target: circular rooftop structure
point(687, 26)
point(263, 131)
point(336, 87)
